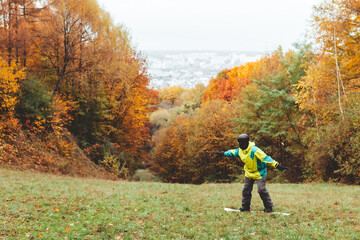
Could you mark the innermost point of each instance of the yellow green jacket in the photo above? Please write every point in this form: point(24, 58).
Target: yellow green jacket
point(255, 160)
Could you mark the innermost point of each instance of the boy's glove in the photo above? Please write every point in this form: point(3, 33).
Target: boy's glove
point(281, 167)
point(219, 153)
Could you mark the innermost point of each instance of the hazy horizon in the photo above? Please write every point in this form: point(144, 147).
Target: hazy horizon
point(211, 25)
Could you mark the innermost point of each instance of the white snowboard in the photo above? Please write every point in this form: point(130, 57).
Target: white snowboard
point(237, 210)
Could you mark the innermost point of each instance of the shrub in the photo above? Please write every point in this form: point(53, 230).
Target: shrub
point(335, 152)
point(35, 105)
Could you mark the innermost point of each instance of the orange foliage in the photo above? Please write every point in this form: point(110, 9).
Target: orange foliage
point(228, 84)
point(153, 98)
point(170, 150)
point(184, 151)
point(74, 48)
point(17, 17)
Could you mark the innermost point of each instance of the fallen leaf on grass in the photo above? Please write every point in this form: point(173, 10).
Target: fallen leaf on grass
point(57, 209)
point(67, 229)
point(40, 236)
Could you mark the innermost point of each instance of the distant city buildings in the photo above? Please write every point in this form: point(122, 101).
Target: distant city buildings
point(188, 68)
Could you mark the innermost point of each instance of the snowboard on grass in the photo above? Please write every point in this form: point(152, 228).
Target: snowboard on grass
point(237, 210)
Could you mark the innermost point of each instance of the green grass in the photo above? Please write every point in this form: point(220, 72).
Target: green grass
point(35, 206)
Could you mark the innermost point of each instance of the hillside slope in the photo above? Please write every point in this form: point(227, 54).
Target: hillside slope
point(24, 150)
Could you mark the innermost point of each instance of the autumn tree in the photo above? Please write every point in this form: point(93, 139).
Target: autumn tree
point(192, 99)
point(169, 151)
point(9, 85)
point(212, 130)
point(187, 102)
point(269, 113)
point(17, 20)
point(329, 92)
point(82, 73)
point(333, 79)
point(170, 96)
point(216, 86)
point(67, 26)
point(228, 83)
point(183, 151)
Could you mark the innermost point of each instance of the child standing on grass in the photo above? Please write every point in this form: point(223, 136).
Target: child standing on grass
point(256, 162)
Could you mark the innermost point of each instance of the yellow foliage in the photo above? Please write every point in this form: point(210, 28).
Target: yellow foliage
point(171, 91)
point(9, 85)
point(61, 116)
point(315, 92)
point(113, 165)
point(334, 78)
point(65, 147)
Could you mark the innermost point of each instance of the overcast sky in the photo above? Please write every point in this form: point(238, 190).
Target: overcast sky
point(235, 25)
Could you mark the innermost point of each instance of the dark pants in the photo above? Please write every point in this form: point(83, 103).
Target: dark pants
point(262, 190)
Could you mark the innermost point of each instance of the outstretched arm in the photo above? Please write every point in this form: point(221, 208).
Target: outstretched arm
point(230, 153)
point(268, 160)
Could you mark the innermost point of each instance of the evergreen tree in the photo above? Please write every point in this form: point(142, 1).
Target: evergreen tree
point(270, 114)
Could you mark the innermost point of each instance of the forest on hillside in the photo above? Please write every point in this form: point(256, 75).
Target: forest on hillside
point(74, 99)
point(72, 86)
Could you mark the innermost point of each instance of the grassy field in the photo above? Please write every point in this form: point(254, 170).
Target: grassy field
point(35, 206)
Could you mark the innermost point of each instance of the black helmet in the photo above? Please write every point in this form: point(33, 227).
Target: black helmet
point(243, 141)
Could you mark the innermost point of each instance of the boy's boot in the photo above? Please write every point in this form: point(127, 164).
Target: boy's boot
point(243, 209)
point(268, 210)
